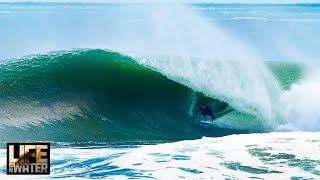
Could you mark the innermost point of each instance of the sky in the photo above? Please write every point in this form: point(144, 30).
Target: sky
point(187, 1)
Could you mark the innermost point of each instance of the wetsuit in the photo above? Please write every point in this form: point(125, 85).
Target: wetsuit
point(207, 111)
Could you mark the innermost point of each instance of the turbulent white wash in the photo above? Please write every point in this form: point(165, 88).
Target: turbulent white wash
point(208, 59)
point(302, 104)
point(270, 156)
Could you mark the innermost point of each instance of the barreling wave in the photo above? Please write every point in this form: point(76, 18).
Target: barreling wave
point(100, 95)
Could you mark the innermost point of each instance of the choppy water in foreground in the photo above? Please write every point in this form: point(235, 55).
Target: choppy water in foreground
point(292, 155)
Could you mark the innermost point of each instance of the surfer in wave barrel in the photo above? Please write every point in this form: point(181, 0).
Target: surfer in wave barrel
point(206, 110)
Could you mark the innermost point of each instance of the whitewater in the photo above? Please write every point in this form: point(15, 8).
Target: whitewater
point(116, 88)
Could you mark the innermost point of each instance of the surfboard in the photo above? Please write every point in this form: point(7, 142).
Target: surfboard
point(217, 115)
point(206, 123)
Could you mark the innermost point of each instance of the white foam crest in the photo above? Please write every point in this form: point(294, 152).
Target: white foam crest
point(209, 156)
point(302, 105)
point(263, 156)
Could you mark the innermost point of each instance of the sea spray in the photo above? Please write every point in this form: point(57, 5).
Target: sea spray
point(205, 57)
point(302, 102)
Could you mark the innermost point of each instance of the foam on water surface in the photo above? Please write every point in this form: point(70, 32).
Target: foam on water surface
point(256, 156)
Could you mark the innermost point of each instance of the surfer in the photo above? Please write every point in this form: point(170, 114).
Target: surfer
point(206, 110)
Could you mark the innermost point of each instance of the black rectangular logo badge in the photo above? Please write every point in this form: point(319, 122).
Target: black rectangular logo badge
point(28, 158)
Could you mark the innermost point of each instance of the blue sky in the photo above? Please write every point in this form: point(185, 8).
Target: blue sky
point(188, 1)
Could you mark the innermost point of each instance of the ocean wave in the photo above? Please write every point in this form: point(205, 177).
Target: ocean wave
point(100, 95)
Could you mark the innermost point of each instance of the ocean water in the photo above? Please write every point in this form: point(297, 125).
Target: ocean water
point(113, 88)
point(292, 155)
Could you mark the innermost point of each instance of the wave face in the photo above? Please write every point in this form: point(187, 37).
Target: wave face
point(99, 95)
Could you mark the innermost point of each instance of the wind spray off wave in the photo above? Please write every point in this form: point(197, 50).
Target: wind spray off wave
point(302, 103)
point(209, 60)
